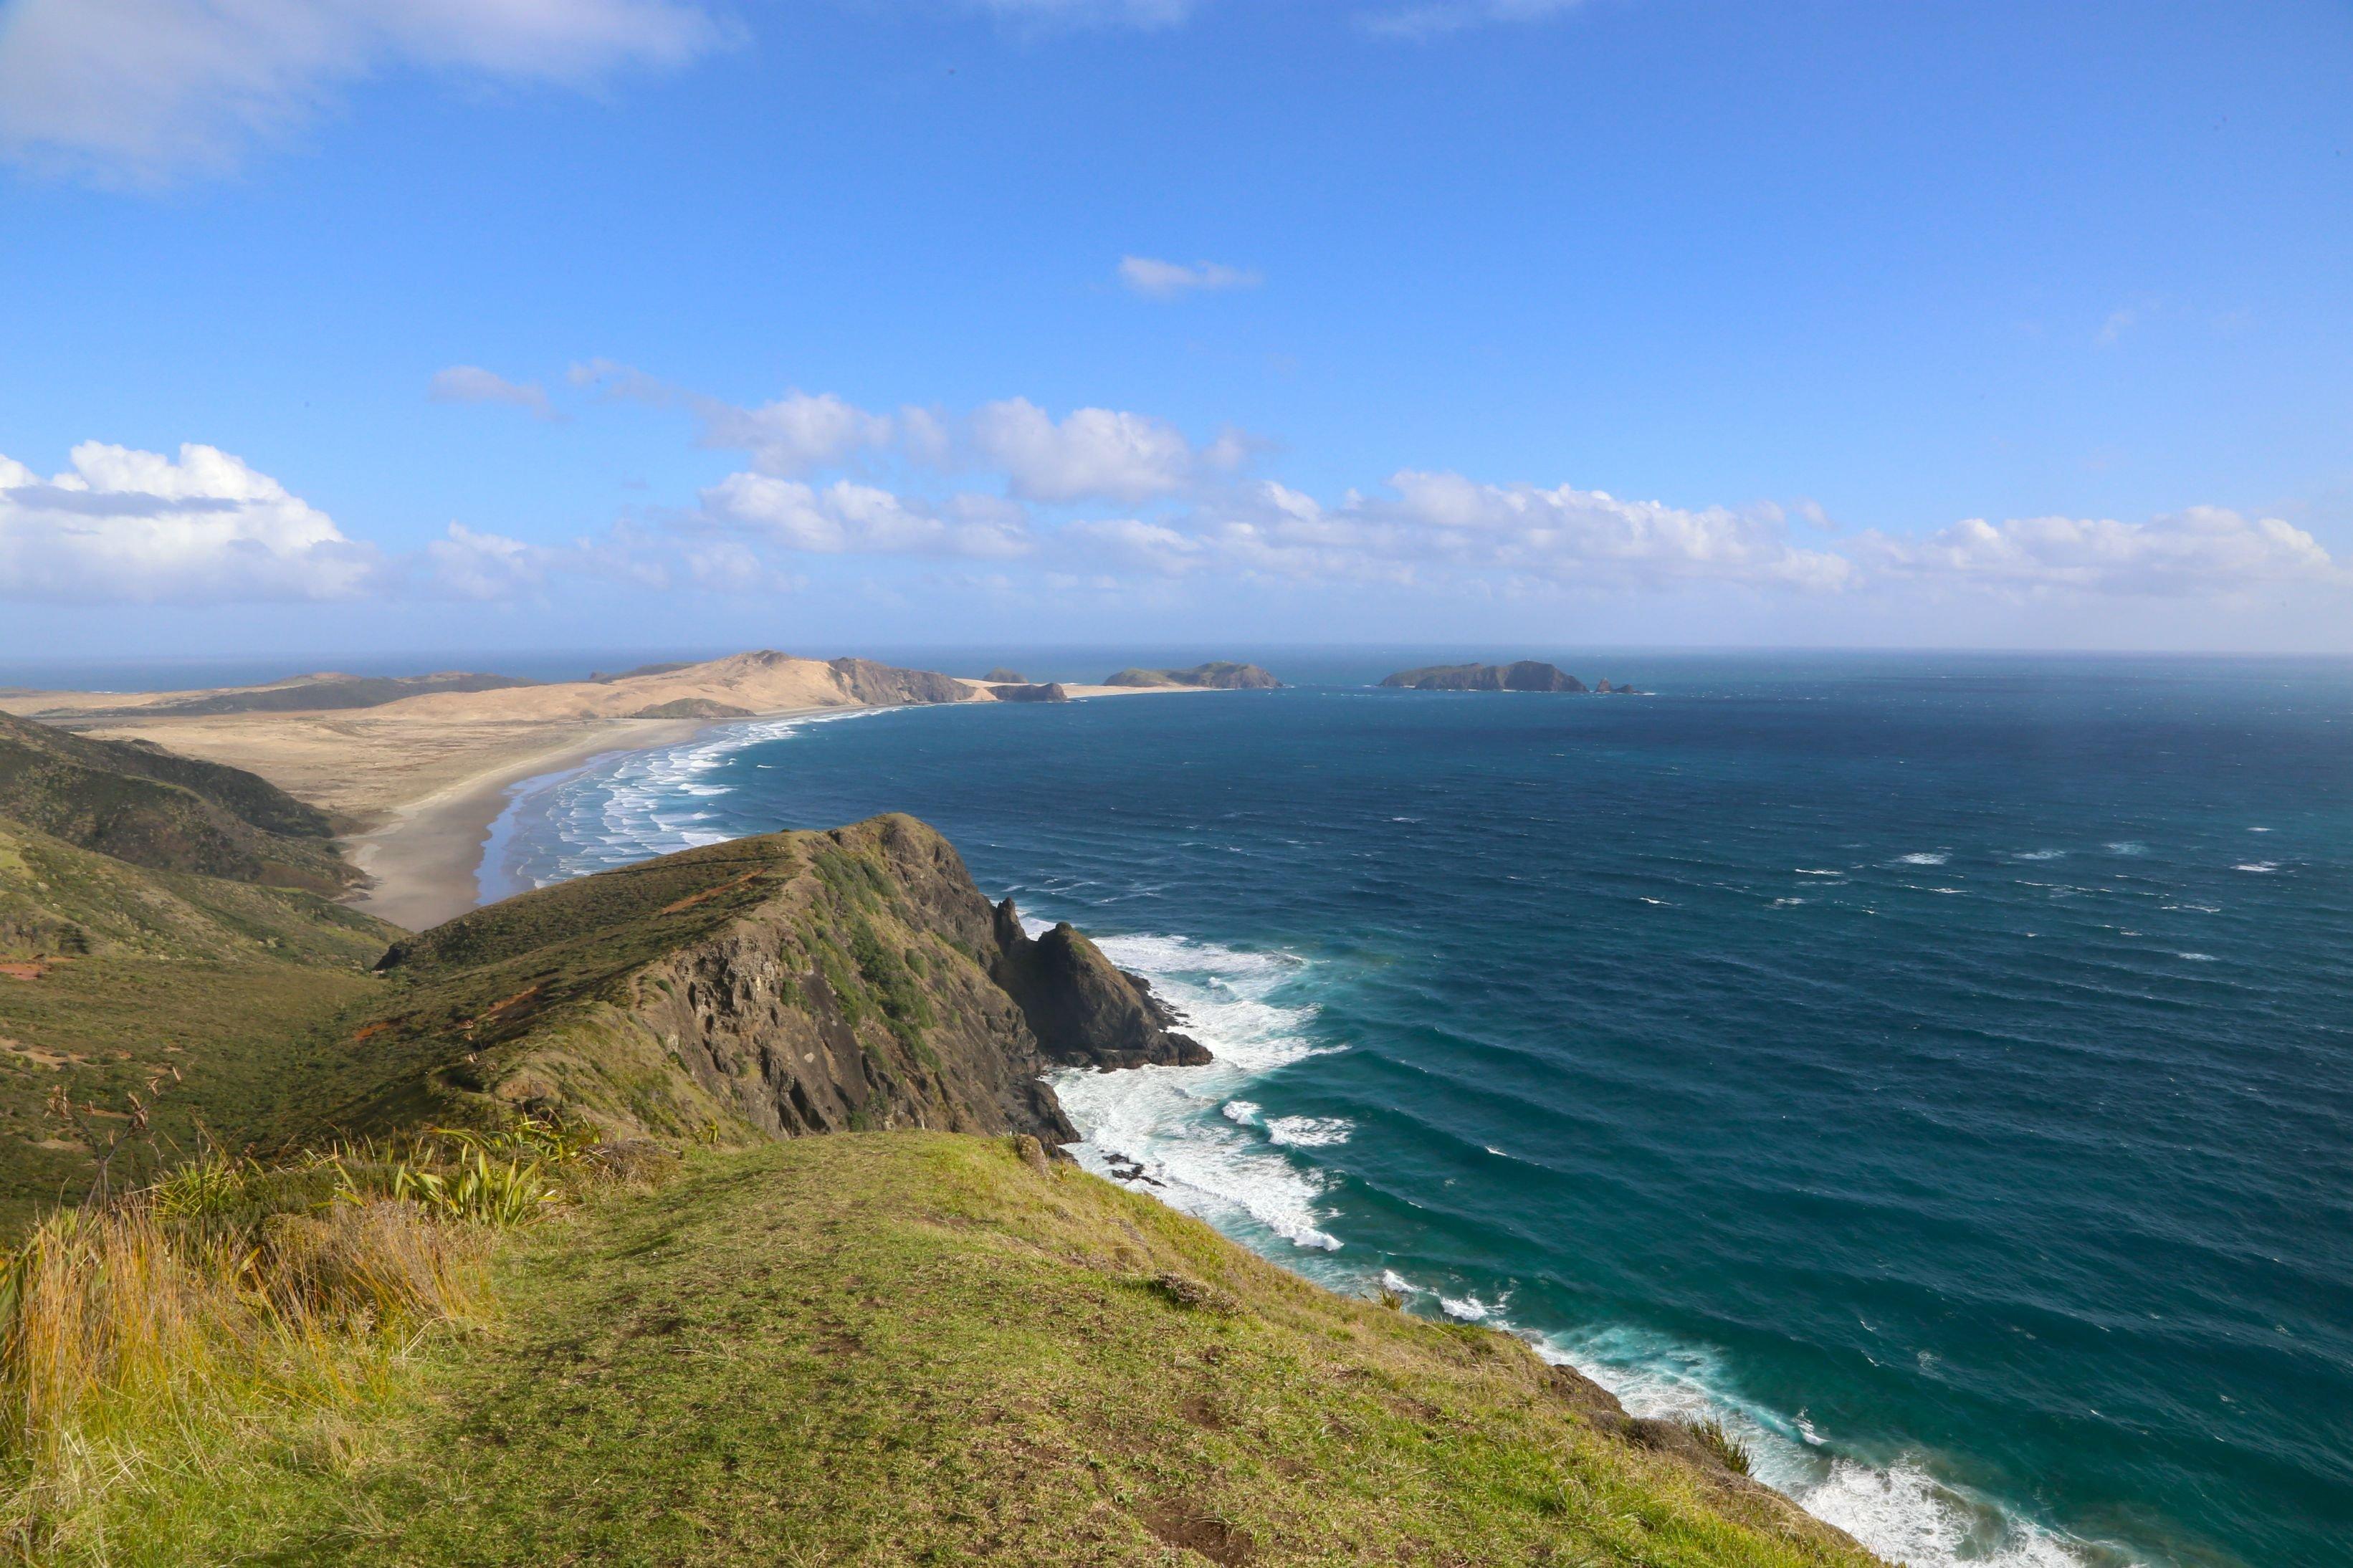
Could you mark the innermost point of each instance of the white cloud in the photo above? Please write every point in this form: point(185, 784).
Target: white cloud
point(1441, 527)
point(1171, 279)
point(1443, 524)
point(1131, 543)
point(1094, 453)
point(126, 525)
point(145, 89)
point(470, 565)
point(472, 383)
point(796, 433)
point(845, 519)
point(791, 435)
point(2203, 549)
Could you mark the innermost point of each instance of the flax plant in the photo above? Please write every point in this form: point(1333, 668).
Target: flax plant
point(152, 1335)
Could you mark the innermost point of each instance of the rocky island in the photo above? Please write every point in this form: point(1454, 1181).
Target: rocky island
point(1526, 675)
point(1218, 675)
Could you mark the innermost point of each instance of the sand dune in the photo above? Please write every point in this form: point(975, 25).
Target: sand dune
point(418, 782)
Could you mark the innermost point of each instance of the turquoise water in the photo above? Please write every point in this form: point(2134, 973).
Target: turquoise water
point(1941, 1069)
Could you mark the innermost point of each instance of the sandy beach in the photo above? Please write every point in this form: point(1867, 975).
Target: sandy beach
point(424, 861)
point(417, 783)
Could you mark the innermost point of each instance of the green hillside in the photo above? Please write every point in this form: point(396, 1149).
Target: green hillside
point(634, 1316)
point(143, 804)
point(917, 1347)
point(112, 975)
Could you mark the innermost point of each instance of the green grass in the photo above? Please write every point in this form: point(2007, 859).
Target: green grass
point(162, 973)
point(907, 1348)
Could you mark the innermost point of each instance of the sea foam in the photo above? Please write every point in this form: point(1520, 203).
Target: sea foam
point(649, 803)
point(1899, 1507)
point(1188, 1130)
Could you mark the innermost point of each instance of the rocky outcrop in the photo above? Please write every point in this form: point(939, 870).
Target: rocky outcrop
point(1084, 1010)
point(776, 986)
point(692, 708)
point(1219, 675)
point(1604, 689)
point(1001, 676)
point(883, 684)
point(1052, 692)
point(1526, 675)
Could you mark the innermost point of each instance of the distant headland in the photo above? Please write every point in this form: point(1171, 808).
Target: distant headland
point(1526, 675)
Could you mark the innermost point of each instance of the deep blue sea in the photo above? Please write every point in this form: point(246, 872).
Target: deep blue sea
point(1940, 1068)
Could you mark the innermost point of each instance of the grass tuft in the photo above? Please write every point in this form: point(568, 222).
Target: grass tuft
point(1719, 1441)
point(153, 1342)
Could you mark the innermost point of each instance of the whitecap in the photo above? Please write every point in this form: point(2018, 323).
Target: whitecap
point(632, 810)
point(1309, 1131)
point(2040, 855)
point(1900, 1510)
point(2258, 865)
point(1804, 871)
point(2196, 957)
point(1181, 1126)
point(1925, 858)
point(1780, 903)
point(1465, 1308)
point(2128, 846)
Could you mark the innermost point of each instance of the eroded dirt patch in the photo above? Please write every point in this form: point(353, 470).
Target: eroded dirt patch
point(1187, 1526)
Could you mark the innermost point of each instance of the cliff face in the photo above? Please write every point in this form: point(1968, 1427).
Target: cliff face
point(793, 984)
point(1526, 675)
point(1084, 1011)
point(863, 680)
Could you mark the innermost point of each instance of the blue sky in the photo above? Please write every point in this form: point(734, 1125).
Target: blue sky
point(512, 324)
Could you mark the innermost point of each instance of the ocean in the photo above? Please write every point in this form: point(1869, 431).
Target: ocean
point(1939, 1067)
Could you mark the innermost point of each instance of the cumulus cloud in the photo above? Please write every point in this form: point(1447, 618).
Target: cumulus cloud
point(146, 89)
point(468, 564)
point(1172, 279)
point(1443, 524)
point(1433, 528)
point(789, 435)
point(796, 432)
point(472, 383)
point(1094, 453)
point(845, 517)
point(2198, 550)
point(126, 525)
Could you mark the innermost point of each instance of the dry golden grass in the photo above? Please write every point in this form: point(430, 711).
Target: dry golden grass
point(153, 1345)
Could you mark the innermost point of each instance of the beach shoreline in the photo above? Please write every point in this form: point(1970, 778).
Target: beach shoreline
point(423, 864)
point(416, 786)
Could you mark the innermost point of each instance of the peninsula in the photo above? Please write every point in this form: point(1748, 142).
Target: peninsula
point(411, 772)
point(750, 1154)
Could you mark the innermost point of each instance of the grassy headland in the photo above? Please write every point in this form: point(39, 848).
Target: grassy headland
point(900, 1348)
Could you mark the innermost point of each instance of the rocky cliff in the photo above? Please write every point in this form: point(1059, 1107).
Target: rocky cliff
point(1526, 675)
point(793, 984)
point(1051, 691)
